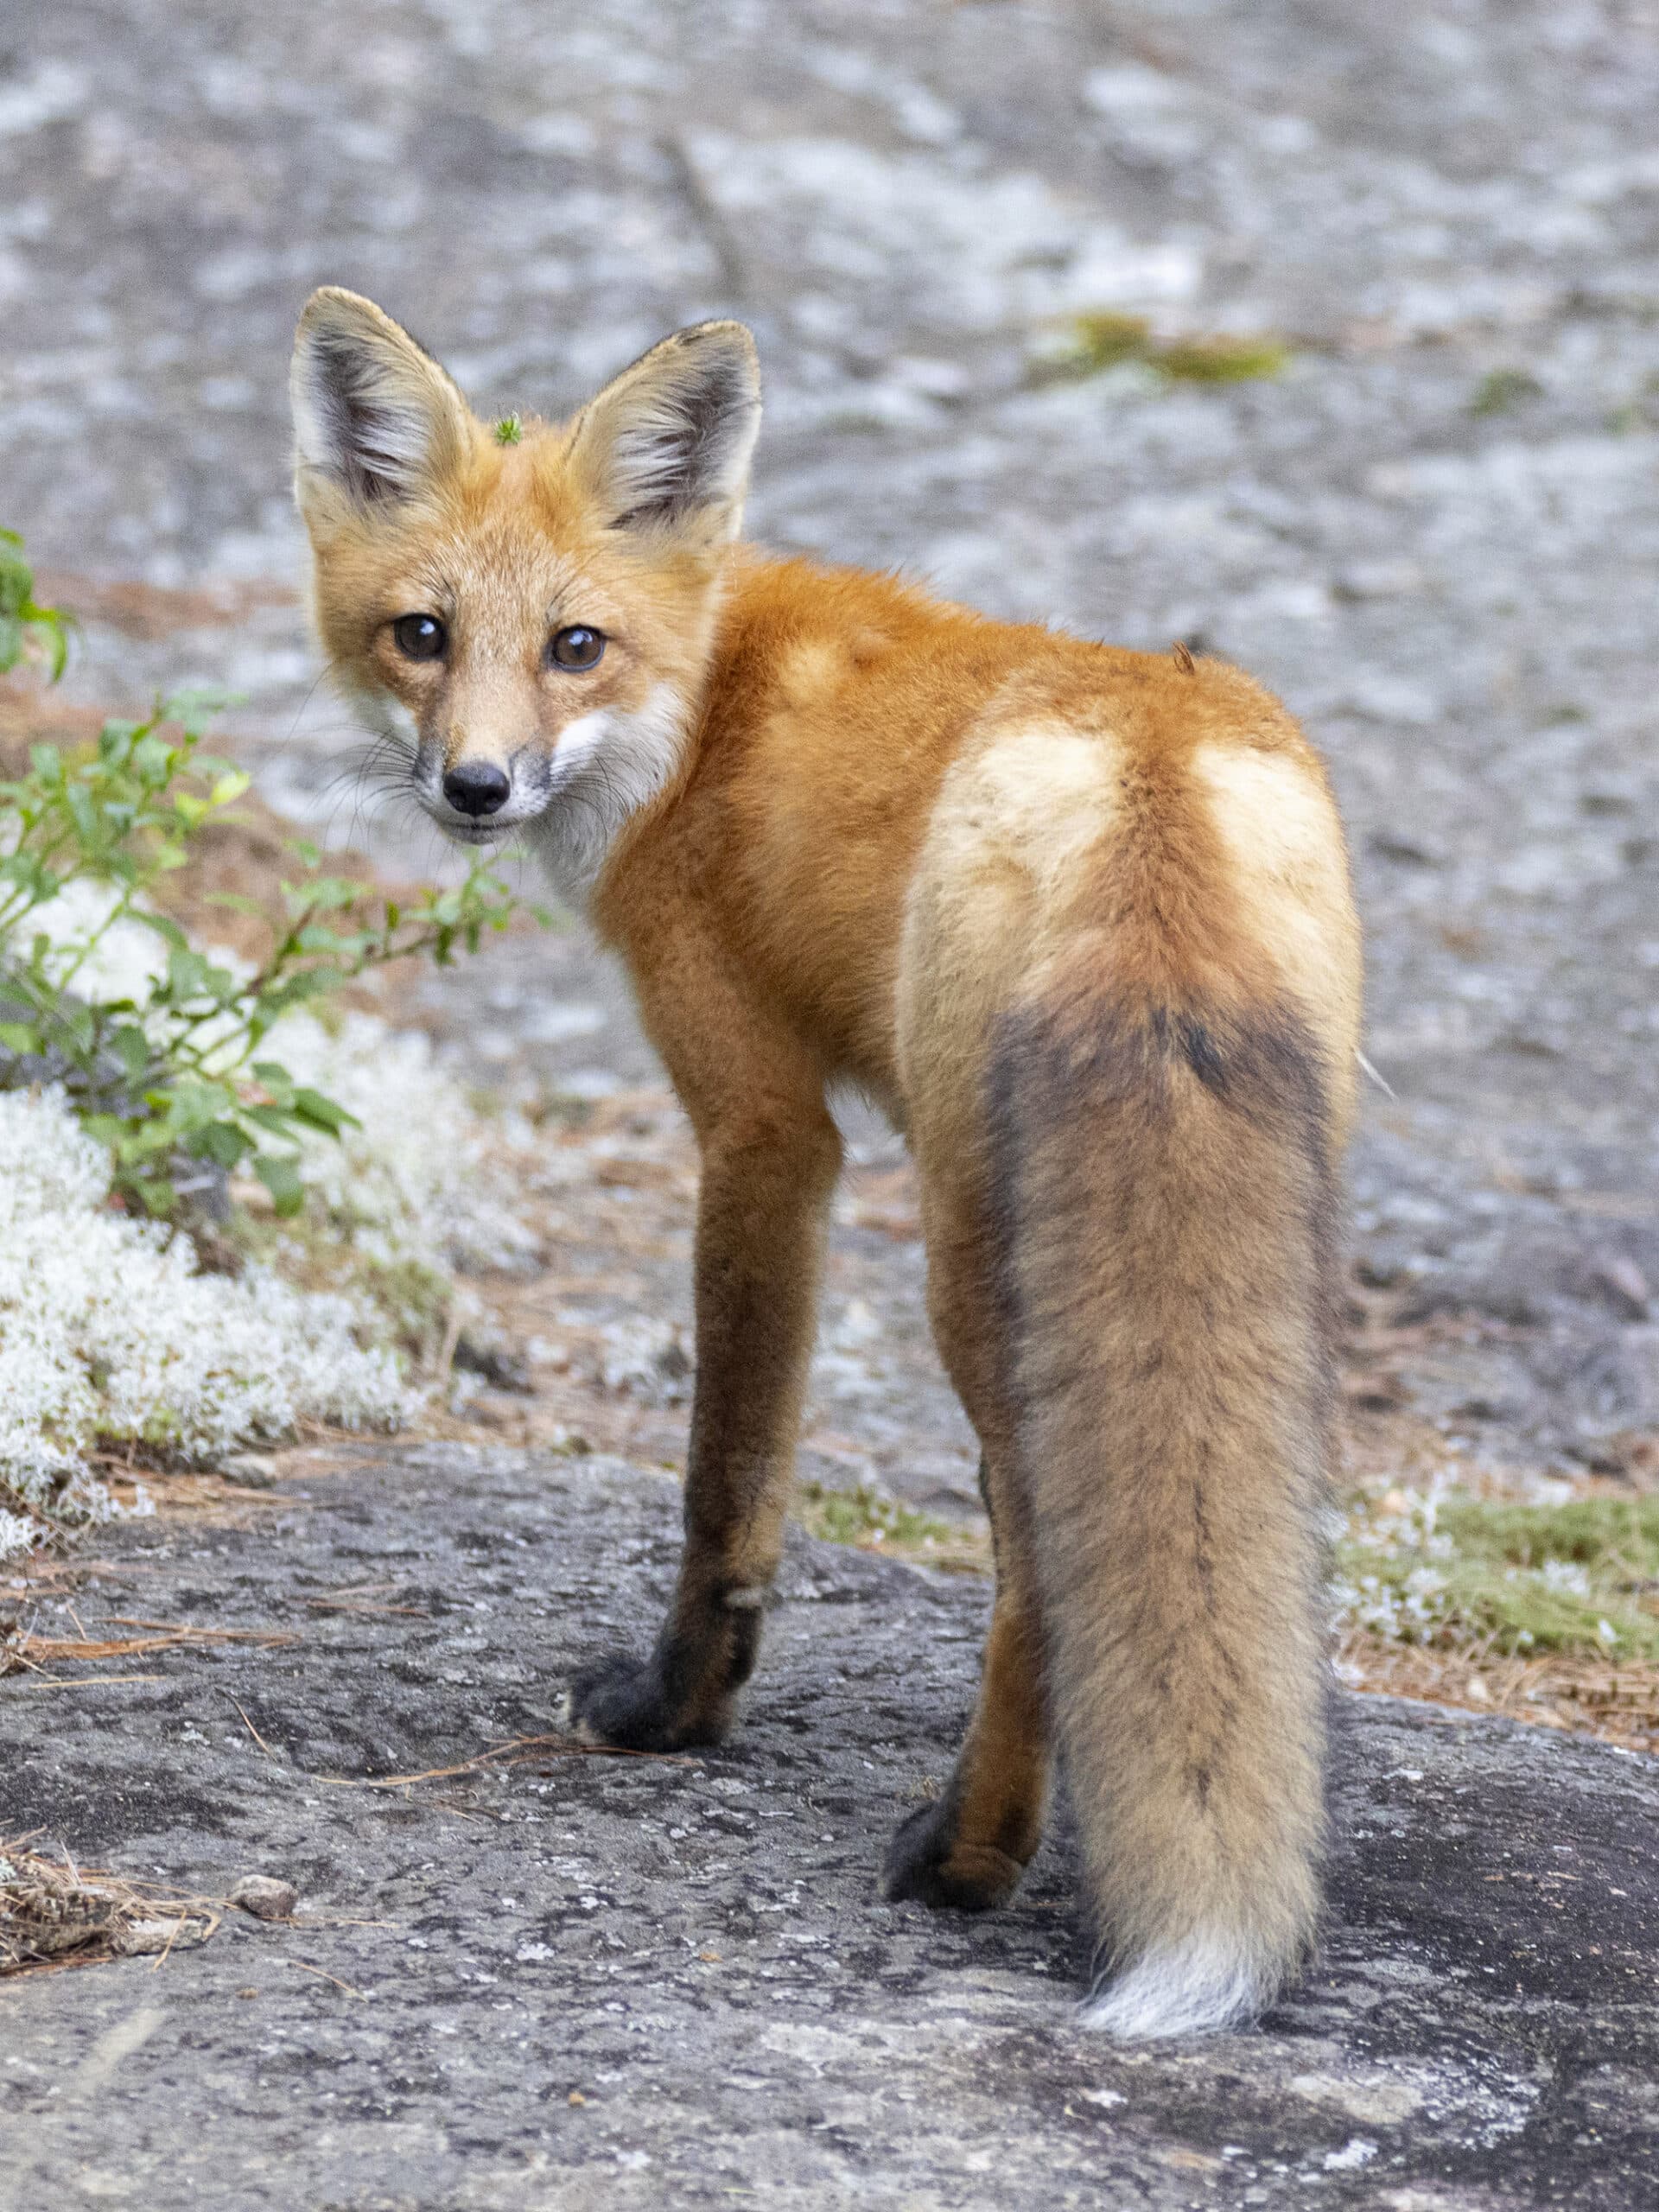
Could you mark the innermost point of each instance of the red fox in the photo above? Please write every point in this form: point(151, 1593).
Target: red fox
point(1079, 919)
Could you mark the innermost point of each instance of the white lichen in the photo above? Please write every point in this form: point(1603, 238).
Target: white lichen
point(110, 1332)
point(421, 1178)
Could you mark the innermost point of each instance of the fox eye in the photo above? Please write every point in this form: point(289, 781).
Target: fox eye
point(419, 636)
point(576, 647)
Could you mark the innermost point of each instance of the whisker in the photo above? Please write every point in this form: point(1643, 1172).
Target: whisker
point(371, 777)
point(300, 711)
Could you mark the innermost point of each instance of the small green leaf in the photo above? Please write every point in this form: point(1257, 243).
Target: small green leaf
point(280, 1178)
point(222, 1142)
point(323, 1113)
point(131, 1047)
point(277, 1120)
point(317, 936)
point(165, 928)
point(205, 1094)
point(16, 580)
point(47, 624)
point(328, 893)
point(154, 759)
point(84, 815)
point(187, 976)
point(276, 1078)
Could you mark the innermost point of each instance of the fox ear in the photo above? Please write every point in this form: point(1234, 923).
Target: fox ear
point(667, 444)
point(375, 418)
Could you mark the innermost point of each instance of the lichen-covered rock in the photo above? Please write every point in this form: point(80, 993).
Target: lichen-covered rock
point(542, 1978)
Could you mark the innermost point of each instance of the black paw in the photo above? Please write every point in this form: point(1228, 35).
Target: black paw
point(628, 1703)
point(926, 1862)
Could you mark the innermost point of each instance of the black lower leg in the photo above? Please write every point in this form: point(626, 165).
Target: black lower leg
point(684, 1692)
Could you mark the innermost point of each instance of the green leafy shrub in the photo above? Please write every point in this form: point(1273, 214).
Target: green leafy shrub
point(156, 1045)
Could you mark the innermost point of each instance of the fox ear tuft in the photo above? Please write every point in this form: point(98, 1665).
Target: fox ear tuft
point(375, 417)
point(667, 446)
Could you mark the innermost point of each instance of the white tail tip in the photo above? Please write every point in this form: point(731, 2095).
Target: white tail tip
point(1191, 1988)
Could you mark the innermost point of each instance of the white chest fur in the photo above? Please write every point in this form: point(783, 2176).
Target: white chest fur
point(607, 767)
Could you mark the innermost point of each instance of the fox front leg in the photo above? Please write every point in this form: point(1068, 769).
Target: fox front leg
point(760, 1216)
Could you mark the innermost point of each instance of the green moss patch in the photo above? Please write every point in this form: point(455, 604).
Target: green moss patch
point(870, 1521)
point(1091, 343)
point(1221, 360)
point(1502, 389)
point(1578, 1578)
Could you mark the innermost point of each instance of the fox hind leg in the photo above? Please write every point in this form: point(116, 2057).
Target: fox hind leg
point(968, 1848)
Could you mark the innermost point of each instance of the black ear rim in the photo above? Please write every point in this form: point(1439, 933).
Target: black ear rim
point(727, 330)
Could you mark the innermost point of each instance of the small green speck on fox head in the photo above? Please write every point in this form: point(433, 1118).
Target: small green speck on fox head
point(509, 431)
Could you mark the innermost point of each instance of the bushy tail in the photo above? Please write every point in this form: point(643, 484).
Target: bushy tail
point(1171, 1220)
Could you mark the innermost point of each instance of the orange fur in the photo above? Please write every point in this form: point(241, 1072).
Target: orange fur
point(1078, 918)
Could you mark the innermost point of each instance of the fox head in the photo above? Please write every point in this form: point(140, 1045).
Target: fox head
point(526, 619)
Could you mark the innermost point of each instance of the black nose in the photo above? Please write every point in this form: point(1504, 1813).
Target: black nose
point(477, 787)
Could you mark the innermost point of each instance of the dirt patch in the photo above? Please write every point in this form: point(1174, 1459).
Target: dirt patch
point(149, 612)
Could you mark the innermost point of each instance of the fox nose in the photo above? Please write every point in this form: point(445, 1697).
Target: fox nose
point(477, 787)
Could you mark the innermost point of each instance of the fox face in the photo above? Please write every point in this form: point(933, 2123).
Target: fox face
point(526, 626)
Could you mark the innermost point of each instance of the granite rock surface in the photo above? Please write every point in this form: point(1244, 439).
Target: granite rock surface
point(566, 1980)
